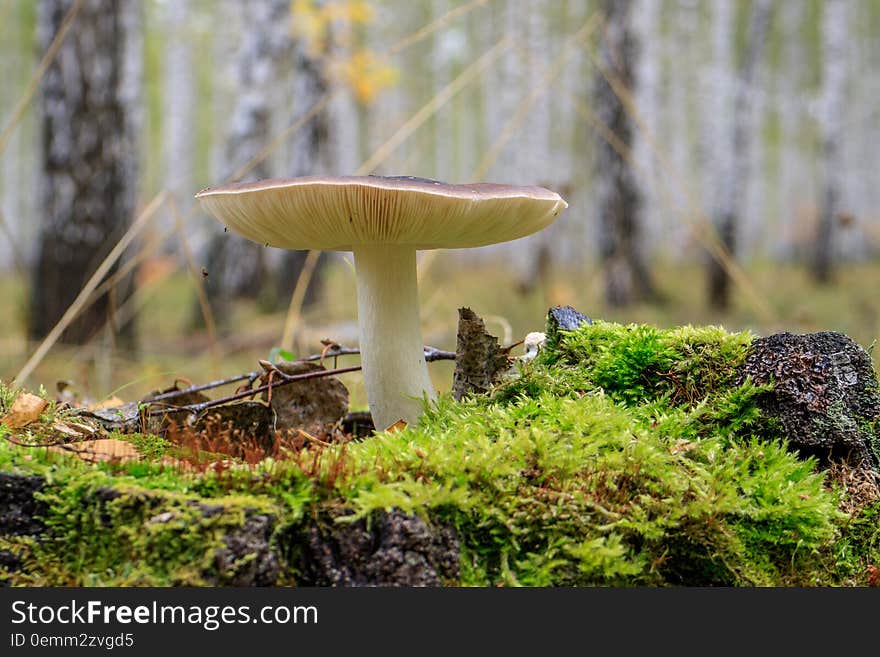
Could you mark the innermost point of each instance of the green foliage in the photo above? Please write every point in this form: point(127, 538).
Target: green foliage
point(149, 446)
point(277, 354)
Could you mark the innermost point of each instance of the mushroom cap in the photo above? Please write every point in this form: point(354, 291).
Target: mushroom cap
point(339, 213)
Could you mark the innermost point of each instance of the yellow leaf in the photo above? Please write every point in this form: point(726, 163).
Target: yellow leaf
point(367, 75)
point(309, 23)
point(357, 11)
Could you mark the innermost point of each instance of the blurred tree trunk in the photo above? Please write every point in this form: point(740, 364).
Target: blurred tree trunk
point(626, 277)
point(239, 268)
point(647, 15)
point(834, 41)
point(88, 177)
point(236, 266)
point(179, 104)
point(733, 185)
point(441, 70)
point(312, 153)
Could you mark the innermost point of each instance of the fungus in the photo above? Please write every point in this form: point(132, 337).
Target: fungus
point(383, 221)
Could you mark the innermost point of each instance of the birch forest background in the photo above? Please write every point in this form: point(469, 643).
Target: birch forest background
point(719, 158)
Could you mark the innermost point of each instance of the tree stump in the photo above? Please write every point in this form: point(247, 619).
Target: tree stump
point(825, 394)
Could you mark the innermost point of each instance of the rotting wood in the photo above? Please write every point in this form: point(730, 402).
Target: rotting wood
point(479, 359)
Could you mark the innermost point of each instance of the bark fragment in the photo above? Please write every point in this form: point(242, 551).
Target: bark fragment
point(479, 359)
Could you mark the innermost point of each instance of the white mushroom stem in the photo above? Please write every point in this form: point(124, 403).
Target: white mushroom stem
point(392, 351)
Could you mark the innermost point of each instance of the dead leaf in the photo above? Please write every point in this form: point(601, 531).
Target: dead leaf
point(125, 417)
point(112, 402)
point(109, 449)
point(70, 429)
point(313, 405)
point(25, 409)
point(400, 425)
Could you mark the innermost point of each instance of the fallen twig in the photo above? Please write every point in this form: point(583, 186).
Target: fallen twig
point(431, 354)
point(252, 376)
point(286, 379)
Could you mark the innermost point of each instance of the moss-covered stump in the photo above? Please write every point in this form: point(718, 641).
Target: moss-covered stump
point(824, 394)
point(619, 456)
point(19, 515)
point(393, 549)
point(91, 532)
point(126, 535)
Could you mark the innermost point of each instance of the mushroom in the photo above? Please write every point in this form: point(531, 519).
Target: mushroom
point(384, 221)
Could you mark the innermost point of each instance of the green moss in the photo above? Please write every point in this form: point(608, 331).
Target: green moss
point(857, 549)
point(624, 455)
point(130, 536)
point(149, 446)
point(583, 491)
point(637, 362)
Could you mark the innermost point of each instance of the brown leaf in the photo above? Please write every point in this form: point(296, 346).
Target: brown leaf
point(400, 425)
point(480, 362)
point(110, 449)
point(25, 409)
point(112, 402)
point(70, 429)
point(313, 405)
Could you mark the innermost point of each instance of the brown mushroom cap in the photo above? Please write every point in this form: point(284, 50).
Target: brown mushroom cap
point(337, 213)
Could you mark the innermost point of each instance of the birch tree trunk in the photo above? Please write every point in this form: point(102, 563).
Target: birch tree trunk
point(646, 22)
point(626, 276)
point(179, 102)
point(733, 188)
point(88, 181)
point(312, 153)
point(721, 87)
point(237, 267)
point(834, 39)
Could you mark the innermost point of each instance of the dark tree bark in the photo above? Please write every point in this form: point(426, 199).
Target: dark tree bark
point(88, 177)
point(626, 276)
point(733, 189)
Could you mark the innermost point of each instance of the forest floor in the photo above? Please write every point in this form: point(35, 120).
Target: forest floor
point(621, 455)
point(174, 344)
point(628, 452)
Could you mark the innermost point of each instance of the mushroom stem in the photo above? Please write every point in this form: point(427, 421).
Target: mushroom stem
point(392, 354)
